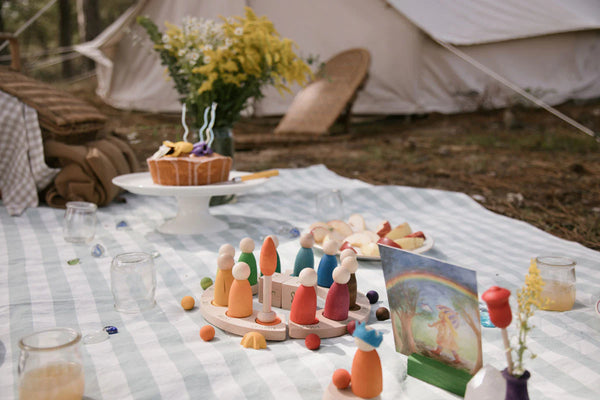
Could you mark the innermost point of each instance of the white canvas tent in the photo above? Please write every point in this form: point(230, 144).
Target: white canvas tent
point(550, 48)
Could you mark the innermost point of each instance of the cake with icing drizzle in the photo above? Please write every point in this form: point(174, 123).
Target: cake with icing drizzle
point(186, 164)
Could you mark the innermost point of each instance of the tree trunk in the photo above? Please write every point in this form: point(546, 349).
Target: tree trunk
point(408, 340)
point(65, 34)
point(89, 23)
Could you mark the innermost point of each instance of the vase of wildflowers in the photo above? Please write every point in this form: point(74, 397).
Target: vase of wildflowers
point(529, 299)
point(228, 62)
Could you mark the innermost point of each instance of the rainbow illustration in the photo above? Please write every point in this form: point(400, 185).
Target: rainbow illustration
point(421, 276)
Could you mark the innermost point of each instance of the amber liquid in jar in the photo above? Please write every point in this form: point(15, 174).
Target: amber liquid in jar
point(57, 381)
point(558, 274)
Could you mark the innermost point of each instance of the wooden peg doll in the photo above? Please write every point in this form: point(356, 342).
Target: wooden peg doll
point(276, 242)
point(347, 253)
point(224, 279)
point(304, 304)
point(247, 247)
point(350, 263)
point(227, 249)
point(327, 264)
point(305, 257)
point(337, 302)
point(239, 304)
point(366, 374)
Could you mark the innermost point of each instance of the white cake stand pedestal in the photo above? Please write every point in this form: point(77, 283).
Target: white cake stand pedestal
point(193, 216)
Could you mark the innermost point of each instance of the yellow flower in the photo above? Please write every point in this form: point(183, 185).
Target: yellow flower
point(228, 62)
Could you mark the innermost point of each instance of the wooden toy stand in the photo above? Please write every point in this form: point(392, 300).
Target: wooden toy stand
point(438, 374)
point(333, 393)
point(325, 328)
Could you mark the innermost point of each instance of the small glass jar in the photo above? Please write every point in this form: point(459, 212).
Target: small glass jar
point(50, 365)
point(558, 274)
point(133, 282)
point(79, 225)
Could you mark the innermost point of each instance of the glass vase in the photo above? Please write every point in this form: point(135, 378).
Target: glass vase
point(516, 387)
point(223, 143)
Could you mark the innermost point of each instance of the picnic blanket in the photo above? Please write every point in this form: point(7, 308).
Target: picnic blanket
point(158, 354)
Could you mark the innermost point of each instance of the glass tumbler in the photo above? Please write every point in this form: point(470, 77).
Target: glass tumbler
point(330, 205)
point(133, 282)
point(558, 274)
point(50, 365)
point(79, 224)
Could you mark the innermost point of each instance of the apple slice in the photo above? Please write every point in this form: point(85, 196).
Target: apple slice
point(318, 223)
point(370, 249)
point(399, 231)
point(359, 239)
point(357, 223)
point(410, 243)
point(417, 234)
point(347, 245)
point(389, 242)
point(383, 228)
point(334, 236)
point(319, 233)
point(340, 226)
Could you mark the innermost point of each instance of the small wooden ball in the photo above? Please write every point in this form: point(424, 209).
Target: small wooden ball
point(341, 378)
point(206, 282)
point(207, 333)
point(382, 314)
point(312, 341)
point(373, 296)
point(188, 302)
point(351, 327)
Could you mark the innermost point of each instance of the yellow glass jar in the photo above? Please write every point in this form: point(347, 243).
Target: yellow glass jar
point(558, 273)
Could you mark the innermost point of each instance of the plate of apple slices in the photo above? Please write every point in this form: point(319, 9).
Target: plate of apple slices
point(355, 234)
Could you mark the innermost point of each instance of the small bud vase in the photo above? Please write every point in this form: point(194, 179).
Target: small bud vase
point(516, 387)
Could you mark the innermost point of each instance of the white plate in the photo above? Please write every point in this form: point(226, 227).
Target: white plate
point(427, 245)
point(193, 215)
point(141, 183)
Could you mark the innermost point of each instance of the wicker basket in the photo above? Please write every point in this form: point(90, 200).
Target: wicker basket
point(317, 106)
point(62, 116)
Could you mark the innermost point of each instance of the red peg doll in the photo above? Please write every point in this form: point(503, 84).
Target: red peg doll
point(337, 302)
point(304, 305)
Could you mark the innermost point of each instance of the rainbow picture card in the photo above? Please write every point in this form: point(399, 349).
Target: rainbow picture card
point(434, 309)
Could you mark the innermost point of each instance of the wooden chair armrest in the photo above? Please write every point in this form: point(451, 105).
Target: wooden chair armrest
point(13, 42)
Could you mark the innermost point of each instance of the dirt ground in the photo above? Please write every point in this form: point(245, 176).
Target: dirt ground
point(523, 163)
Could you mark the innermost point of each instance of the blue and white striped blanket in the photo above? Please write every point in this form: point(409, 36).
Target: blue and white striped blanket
point(158, 354)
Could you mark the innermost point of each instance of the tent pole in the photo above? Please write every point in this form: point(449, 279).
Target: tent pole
point(517, 89)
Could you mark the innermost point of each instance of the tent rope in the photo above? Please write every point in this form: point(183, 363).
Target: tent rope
point(517, 89)
point(30, 21)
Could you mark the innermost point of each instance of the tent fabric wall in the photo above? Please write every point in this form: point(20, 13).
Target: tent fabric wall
point(410, 72)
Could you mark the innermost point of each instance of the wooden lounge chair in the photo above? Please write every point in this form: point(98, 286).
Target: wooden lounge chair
point(318, 105)
point(61, 115)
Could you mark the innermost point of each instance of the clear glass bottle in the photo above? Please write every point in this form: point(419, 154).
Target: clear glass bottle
point(50, 365)
point(558, 273)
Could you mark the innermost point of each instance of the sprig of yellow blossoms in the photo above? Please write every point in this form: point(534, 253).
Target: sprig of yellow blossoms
point(528, 299)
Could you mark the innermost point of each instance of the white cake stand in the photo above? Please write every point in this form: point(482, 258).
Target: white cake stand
point(192, 215)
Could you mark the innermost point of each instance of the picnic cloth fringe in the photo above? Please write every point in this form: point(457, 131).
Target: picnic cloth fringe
point(87, 170)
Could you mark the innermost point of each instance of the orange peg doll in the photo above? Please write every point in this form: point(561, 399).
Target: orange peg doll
point(240, 295)
point(224, 280)
point(366, 376)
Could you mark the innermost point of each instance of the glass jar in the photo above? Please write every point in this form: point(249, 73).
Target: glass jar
point(133, 282)
point(79, 224)
point(558, 274)
point(50, 365)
